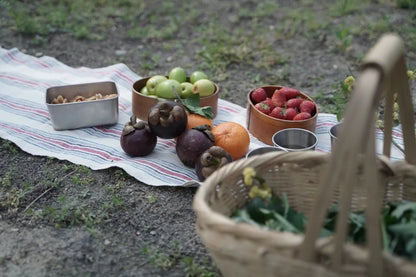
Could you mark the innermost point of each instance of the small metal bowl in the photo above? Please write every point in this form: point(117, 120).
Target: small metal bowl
point(262, 150)
point(295, 139)
point(73, 115)
point(333, 133)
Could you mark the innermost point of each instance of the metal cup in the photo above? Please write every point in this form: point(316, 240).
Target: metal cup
point(333, 133)
point(262, 150)
point(295, 139)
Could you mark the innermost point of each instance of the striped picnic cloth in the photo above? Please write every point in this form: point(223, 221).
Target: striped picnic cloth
point(24, 120)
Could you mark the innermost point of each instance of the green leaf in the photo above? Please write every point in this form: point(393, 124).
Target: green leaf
point(402, 208)
point(253, 207)
point(326, 233)
point(286, 205)
point(243, 216)
point(411, 248)
point(192, 104)
point(404, 229)
point(284, 224)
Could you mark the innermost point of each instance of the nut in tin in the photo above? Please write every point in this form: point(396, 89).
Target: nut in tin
point(82, 105)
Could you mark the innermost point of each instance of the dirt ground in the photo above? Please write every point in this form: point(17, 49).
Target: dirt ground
point(153, 231)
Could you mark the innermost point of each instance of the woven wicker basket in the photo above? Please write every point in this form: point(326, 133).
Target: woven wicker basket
point(353, 176)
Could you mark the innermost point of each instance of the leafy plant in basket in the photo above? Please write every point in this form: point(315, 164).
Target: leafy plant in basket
point(268, 210)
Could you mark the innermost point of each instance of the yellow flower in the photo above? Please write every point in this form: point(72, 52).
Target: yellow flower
point(411, 74)
point(380, 124)
point(263, 193)
point(248, 174)
point(395, 116)
point(395, 107)
point(253, 191)
point(349, 81)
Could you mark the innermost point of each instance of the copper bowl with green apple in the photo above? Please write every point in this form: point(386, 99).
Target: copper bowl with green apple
point(142, 101)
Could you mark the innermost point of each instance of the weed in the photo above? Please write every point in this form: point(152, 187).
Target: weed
point(344, 40)
point(344, 7)
point(9, 146)
point(406, 4)
point(263, 9)
point(159, 259)
point(113, 189)
point(6, 180)
point(338, 100)
point(152, 198)
point(194, 269)
point(25, 23)
point(222, 48)
point(12, 198)
point(84, 169)
point(122, 175)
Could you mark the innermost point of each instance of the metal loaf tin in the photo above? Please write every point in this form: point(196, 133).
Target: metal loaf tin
point(86, 113)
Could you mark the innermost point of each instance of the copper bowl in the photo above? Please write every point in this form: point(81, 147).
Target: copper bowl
point(263, 127)
point(141, 104)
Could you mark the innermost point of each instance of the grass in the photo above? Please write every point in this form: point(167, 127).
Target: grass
point(166, 259)
point(223, 42)
point(69, 192)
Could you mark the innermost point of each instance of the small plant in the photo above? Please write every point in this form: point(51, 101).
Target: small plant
point(406, 4)
point(6, 180)
point(195, 269)
point(337, 102)
point(343, 44)
point(9, 146)
point(152, 198)
point(159, 259)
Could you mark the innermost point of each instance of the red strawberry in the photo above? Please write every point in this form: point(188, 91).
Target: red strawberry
point(294, 103)
point(278, 98)
point(258, 95)
point(263, 107)
point(302, 116)
point(290, 92)
point(290, 113)
point(269, 102)
point(307, 106)
point(277, 112)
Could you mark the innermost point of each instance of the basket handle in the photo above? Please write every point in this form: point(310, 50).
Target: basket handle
point(383, 67)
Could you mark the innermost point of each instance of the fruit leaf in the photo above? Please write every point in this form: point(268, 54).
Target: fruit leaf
point(192, 104)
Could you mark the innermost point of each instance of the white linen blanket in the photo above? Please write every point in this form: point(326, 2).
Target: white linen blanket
point(24, 120)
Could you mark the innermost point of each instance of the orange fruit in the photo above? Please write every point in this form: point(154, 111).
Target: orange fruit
point(233, 138)
point(196, 119)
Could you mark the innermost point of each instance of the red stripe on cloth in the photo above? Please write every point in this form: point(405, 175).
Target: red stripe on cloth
point(25, 108)
point(20, 61)
point(36, 84)
point(227, 109)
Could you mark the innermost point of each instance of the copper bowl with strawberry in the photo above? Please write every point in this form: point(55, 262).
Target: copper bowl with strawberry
point(273, 108)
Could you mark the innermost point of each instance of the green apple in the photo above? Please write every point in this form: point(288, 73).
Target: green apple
point(165, 89)
point(144, 91)
point(204, 87)
point(153, 81)
point(197, 75)
point(186, 89)
point(178, 74)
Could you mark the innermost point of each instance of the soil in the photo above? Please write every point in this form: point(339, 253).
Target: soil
point(154, 229)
